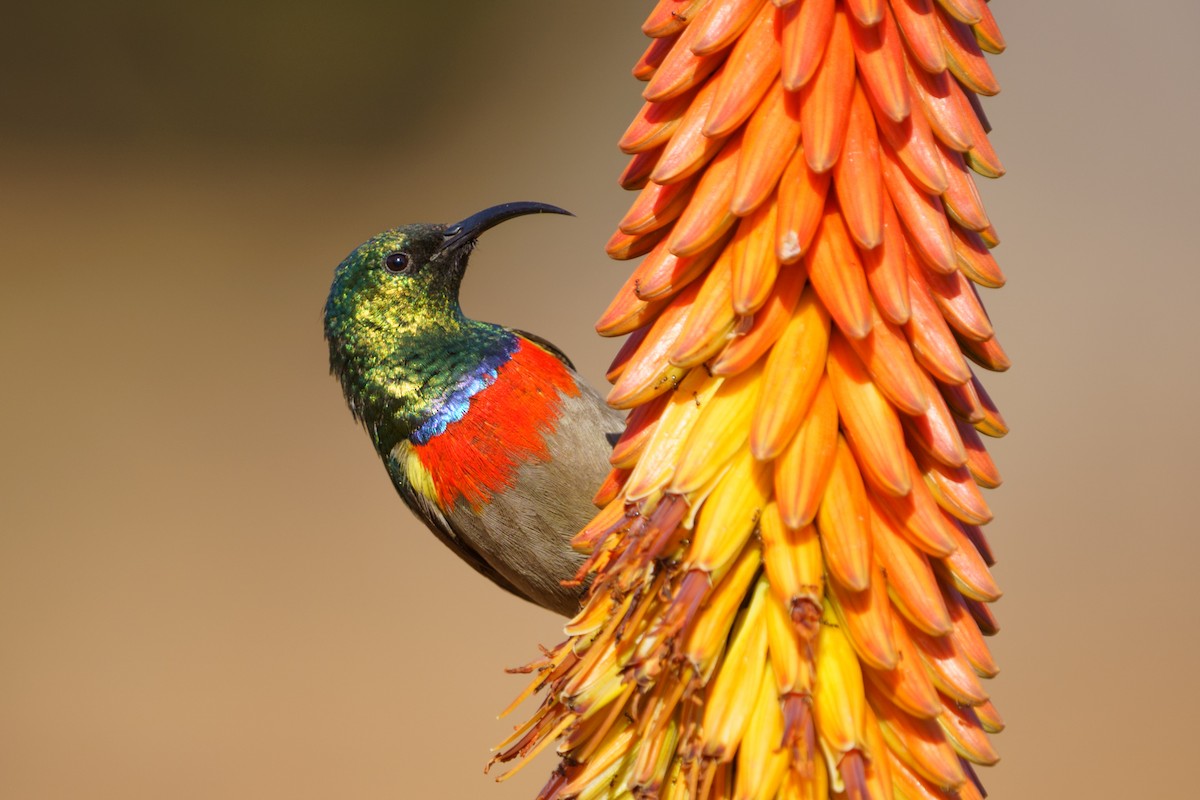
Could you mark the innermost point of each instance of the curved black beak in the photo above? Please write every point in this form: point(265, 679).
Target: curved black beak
point(469, 229)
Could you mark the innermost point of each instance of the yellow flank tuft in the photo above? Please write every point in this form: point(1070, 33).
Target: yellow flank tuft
point(418, 476)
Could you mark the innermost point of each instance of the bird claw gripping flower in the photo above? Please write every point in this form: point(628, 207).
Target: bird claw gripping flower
point(789, 581)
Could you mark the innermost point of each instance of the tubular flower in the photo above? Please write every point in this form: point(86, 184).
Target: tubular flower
point(789, 582)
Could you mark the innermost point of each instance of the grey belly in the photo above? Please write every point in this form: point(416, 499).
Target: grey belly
point(525, 531)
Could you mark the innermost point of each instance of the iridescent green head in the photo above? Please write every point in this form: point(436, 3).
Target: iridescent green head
point(398, 340)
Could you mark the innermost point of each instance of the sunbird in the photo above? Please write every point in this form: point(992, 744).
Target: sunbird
point(488, 432)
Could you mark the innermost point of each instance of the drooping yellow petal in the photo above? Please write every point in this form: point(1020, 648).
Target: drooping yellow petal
point(709, 320)
point(682, 68)
point(768, 324)
point(918, 515)
point(654, 125)
point(987, 353)
point(987, 33)
point(688, 149)
point(705, 641)
point(981, 157)
point(708, 215)
point(866, 618)
point(943, 108)
point(839, 699)
point(869, 421)
point(611, 487)
point(884, 265)
point(792, 558)
point(670, 434)
point(907, 684)
point(954, 489)
point(720, 24)
point(949, 669)
point(761, 762)
point(919, 743)
point(965, 733)
point(637, 171)
point(932, 342)
point(662, 274)
point(961, 198)
point(919, 27)
point(844, 523)
point(825, 100)
point(911, 582)
point(974, 258)
point(656, 206)
point(980, 464)
point(730, 513)
point(889, 359)
point(806, 30)
point(838, 277)
point(709, 446)
point(956, 299)
point(912, 143)
point(988, 717)
point(993, 423)
point(623, 246)
point(964, 57)
point(652, 58)
point(803, 469)
point(735, 687)
point(921, 212)
point(772, 134)
point(857, 176)
point(934, 430)
point(648, 373)
point(668, 17)
point(969, 572)
point(755, 265)
point(880, 56)
point(752, 65)
point(790, 378)
point(801, 200)
point(627, 312)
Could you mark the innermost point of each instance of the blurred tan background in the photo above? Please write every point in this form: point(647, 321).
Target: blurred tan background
point(208, 588)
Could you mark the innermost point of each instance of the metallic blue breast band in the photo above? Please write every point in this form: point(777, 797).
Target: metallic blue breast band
point(455, 404)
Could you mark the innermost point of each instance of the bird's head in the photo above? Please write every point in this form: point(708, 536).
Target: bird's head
point(407, 279)
point(393, 310)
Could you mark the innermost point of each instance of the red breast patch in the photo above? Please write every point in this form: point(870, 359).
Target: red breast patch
point(504, 427)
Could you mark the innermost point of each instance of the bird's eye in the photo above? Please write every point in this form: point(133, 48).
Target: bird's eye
point(397, 262)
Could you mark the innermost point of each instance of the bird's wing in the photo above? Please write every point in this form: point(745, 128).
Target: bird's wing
point(546, 345)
